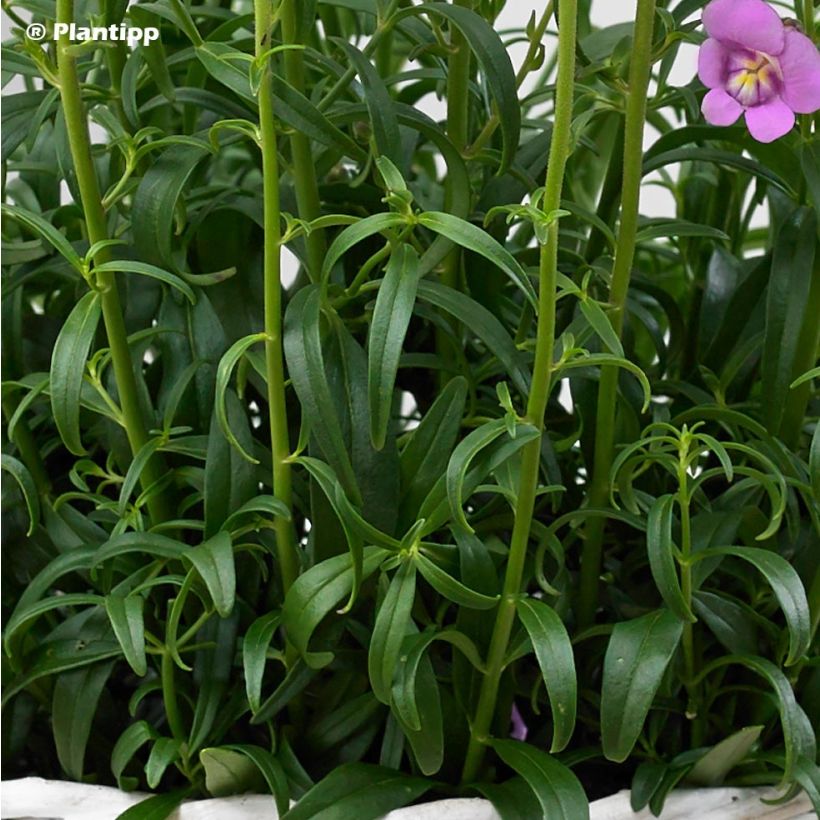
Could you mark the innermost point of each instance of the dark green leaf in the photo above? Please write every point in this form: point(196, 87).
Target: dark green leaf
point(553, 650)
point(389, 630)
point(662, 557)
point(125, 614)
point(391, 318)
point(559, 793)
point(68, 362)
point(636, 658)
point(358, 790)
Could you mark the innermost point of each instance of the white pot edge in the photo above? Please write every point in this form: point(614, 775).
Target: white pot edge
point(34, 797)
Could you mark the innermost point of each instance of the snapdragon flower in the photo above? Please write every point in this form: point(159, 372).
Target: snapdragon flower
point(756, 64)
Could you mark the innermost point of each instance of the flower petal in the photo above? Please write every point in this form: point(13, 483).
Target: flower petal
point(721, 109)
point(800, 65)
point(712, 59)
point(770, 121)
point(750, 24)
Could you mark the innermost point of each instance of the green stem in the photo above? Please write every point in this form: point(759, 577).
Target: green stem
point(539, 394)
point(169, 697)
point(304, 170)
point(639, 75)
point(80, 145)
point(458, 129)
point(274, 360)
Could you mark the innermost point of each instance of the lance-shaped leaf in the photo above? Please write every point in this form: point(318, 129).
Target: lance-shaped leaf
point(559, 793)
point(495, 64)
point(306, 365)
point(553, 650)
point(125, 614)
point(391, 318)
point(29, 489)
point(355, 233)
point(254, 655)
point(473, 238)
point(223, 376)
point(390, 629)
point(452, 589)
point(214, 562)
point(316, 593)
point(637, 656)
point(358, 790)
point(662, 557)
point(787, 588)
point(68, 361)
point(379, 103)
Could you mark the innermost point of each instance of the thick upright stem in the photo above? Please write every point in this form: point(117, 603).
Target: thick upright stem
point(304, 172)
point(639, 75)
point(274, 360)
point(539, 394)
point(458, 129)
point(80, 145)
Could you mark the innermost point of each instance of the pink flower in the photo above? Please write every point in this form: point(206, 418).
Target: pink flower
point(756, 64)
point(519, 730)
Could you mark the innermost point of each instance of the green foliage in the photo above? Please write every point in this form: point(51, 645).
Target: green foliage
point(309, 534)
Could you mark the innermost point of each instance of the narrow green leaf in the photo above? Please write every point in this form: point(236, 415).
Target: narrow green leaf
point(636, 658)
point(158, 807)
point(271, 769)
point(214, 562)
point(355, 233)
point(450, 588)
point(389, 630)
point(798, 733)
point(45, 230)
point(73, 706)
point(480, 322)
point(495, 64)
point(460, 462)
point(553, 650)
point(711, 770)
point(306, 365)
point(786, 304)
point(297, 111)
point(68, 361)
point(599, 322)
point(787, 588)
point(358, 790)
point(127, 745)
point(164, 752)
point(151, 271)
point(125, 614)
point(427, 738)
point(23, 477)
point(379, 103)
point(473, 238)
point(391, 318)
point(316, 593)
point(559, 793)
point(254, 655)
point(425, 456)
point(662, 557)
point(223, 376)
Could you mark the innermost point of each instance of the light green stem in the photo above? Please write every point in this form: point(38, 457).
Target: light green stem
point(304, 171)
point(539, 394)
point(274, 360)
point(639, 75)
point(80, 145)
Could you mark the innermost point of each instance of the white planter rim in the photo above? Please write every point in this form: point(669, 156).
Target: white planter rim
point(40, 799)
